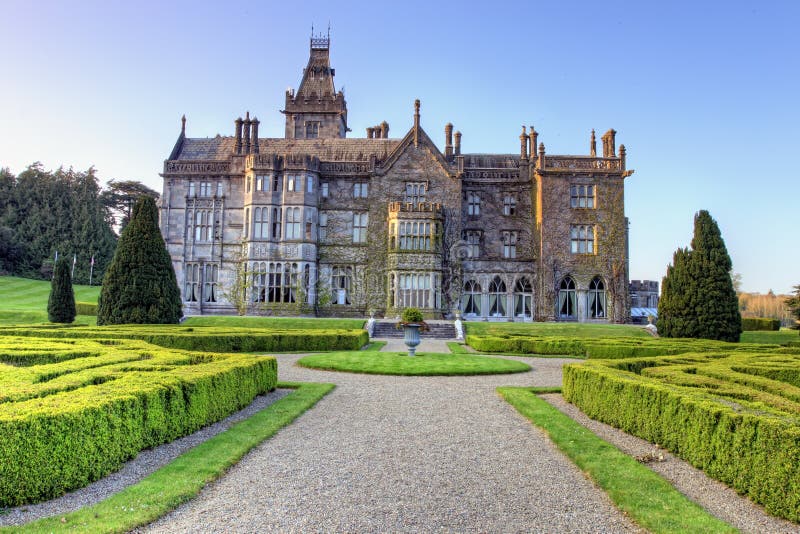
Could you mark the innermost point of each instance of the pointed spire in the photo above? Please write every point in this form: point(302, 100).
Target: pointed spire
point(183, 125)
point(593, 146)
point(416, 122)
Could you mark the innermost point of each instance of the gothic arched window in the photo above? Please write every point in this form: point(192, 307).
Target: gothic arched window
point(597, 298)
point(567, 301)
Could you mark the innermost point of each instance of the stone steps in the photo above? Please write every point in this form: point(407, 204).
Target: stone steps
point(438, 330)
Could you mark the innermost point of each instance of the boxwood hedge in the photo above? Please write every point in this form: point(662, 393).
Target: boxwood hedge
point(72, 411)
point(760, 323)
point(208, 338)
point(615, 347)
point(735, 415)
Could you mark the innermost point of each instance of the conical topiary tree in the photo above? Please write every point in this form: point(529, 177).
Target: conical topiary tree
point(140, 285)
point(61, 303)
point(698, 299)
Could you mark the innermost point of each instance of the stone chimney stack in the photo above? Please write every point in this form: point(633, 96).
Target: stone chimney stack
point(541, 156)
point(246, 133)
point(458, 144)
point(384, 130)
point(183, 125)
point(370, 132)
point(609, 146)
point(448, 140)
point(237, 147)
point(255, 123)
point(622, 154)
point(534, 135)
point(523, 146)
point(593, 146)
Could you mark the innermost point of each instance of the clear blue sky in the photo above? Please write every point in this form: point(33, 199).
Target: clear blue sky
point(704, 95)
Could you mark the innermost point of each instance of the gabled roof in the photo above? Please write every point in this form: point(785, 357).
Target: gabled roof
point(423, 140)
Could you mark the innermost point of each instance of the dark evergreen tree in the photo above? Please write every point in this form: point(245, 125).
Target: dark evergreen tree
point(793, 303)
point(716, 304)
point(45, 212)
point(674, 319)
point(61, 304)
point(121, 195)
point(140, 284)
point(698, 298)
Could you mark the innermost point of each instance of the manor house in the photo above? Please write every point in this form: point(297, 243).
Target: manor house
point(319, 223)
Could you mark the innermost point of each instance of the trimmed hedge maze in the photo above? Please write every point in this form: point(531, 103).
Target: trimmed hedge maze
point(72, 411)
point(204, 338)
point(616, 347)
point(735, 415)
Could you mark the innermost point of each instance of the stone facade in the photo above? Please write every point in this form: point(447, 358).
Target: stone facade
point(316, 223)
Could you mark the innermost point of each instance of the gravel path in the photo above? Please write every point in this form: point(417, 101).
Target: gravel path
point(404, 454)
point(714, 496)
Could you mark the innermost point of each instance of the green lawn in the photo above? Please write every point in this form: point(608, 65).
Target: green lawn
point(781, 337)
point(24, 301)
point(423, 364)
point(582, 330)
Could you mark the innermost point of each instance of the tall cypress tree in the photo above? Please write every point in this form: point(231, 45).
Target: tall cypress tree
point(61, 303)
point(698, 299)
point(140, 284)
point(717, 305)
point(674, 319)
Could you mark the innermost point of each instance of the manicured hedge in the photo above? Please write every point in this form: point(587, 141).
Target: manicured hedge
point(86, 308)
point(215, 339)
point(760, 323)
point(735, 415)
point(605, 348)
point(67, 423)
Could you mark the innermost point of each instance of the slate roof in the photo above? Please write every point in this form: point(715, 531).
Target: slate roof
point(357, 149)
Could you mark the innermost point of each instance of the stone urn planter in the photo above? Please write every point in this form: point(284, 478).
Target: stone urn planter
point(411, 337)
point(412, 323)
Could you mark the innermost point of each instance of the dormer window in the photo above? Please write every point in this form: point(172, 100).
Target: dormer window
point(415, 192)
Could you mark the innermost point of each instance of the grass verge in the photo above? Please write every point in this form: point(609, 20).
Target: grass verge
point(643, 495)
point(423, 364)
point(183, 478)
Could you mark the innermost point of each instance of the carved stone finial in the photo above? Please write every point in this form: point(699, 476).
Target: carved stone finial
point(593, 146)
point(416, 122)
point(183, 124)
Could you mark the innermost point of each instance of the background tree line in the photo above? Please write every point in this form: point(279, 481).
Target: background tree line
point(770, 305)
point(64, 210)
